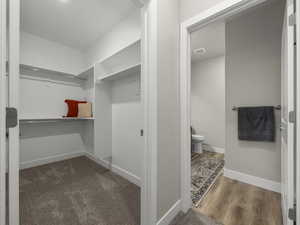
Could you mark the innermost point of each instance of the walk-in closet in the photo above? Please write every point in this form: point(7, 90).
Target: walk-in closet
point(80, 112)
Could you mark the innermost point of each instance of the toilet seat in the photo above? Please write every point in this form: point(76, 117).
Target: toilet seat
point(199, 138)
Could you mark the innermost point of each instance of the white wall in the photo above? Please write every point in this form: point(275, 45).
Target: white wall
point(208, 101)
point(168, 153)
point(40, 99)
point(41, 142)
point(44, 142)
point(122, 35)
point(39, 52)
point(127, 121)
point(253, 76)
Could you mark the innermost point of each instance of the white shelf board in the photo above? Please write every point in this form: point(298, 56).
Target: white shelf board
point(52, 119)
point(136, 41)
point(86, 73)
point(36, 71)
point(124, 72)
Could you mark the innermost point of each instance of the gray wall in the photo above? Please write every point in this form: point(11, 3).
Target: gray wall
point(168, 106)
point(253, 70)
point(208, 100)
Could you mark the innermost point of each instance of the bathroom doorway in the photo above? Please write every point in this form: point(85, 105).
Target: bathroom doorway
point(207, 108)
point(237, 95)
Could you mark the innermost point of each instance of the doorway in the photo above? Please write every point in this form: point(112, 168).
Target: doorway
point(53, 66)
point(244, 158)
point(207, 108)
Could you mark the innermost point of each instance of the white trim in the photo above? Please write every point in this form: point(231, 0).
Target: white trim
point(57, 158)
point(116, 169)
point(145, 186)
point(185, 120)
point(219, 150)
point(50, 159)
point(210, 148)
point(13, 101)
point(149, 82)
point(149, 74)
point(3, 90)
point(132, 42)
point(220, 11)
point(171, 214)
point(297, 110)
point(253, 180)
point(288, 89)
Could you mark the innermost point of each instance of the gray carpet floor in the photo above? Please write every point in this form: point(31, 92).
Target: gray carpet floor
point(77, 192)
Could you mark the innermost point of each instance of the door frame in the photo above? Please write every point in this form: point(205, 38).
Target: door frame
point(288, 128)
point(220, 11)
point(149, 82)
point(9, 96)
point(2, 111)
point(13, 101)
point(297, 66)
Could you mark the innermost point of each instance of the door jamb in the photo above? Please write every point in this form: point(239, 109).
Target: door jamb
point(149, 83)
point(220, 11)
point(2, 112)
point(297, 167)
point(13, 101)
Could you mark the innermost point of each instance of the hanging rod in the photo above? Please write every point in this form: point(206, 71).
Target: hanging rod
point(278, 107)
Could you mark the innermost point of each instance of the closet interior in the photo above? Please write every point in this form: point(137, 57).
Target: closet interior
point(94, 156)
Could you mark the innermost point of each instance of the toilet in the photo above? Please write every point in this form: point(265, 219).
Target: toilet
point(197, 143)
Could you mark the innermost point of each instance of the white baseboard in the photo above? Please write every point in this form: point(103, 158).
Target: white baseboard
point(214, 149)
point(171, 214)
point(51, 159)
point(219, 150)
point(256, 181)
point(122, 172)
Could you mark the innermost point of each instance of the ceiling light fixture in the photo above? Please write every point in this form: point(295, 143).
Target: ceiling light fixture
point(35, 69)
point(200, 51)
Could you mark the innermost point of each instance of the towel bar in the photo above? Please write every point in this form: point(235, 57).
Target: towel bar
point(234, 108)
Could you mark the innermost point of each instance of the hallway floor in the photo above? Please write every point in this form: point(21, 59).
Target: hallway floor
point(77, 192)
point(234, 203)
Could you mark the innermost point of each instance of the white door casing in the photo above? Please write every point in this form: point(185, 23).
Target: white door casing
point(2, 112)
point(287, 127)
point(221, 11)
point(13, 101)
point(297, 69)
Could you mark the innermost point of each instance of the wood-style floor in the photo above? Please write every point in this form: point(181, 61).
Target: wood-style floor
point(234, 203)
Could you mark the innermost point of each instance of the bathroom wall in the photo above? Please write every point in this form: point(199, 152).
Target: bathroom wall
point(253, 76)
point(208, 101)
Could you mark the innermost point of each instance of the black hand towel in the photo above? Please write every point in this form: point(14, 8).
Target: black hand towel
point(256, 123)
